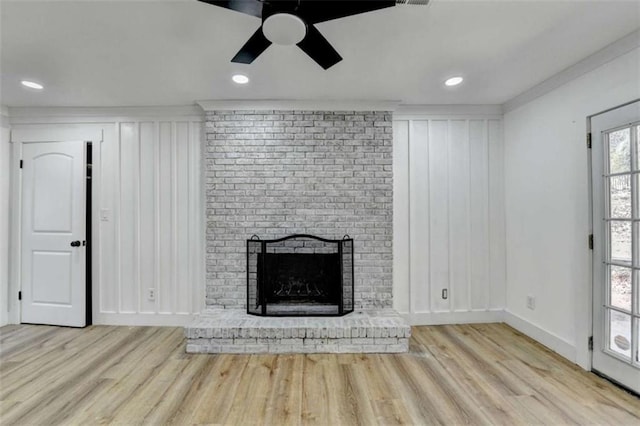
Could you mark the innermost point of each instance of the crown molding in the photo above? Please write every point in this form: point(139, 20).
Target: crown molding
point(409, 112)
point(297, 105)
point(17, 114)
point(601, 57)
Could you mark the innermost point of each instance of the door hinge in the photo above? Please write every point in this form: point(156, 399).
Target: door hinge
point(589, 140)
point(19, 295)
point(590, 343)
point(21, 163)
point(591, 242)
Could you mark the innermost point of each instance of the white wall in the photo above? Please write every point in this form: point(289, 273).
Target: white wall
point(448, 218)
point(547, 205)
point(151, 185)
point(5, 155)
point(147, 184)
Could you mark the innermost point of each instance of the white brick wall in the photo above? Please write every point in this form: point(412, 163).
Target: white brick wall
point(276, 173)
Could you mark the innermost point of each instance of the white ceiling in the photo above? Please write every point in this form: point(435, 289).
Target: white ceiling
point(154, 52)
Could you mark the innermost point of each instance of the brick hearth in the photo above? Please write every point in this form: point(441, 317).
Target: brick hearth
point(234, 331)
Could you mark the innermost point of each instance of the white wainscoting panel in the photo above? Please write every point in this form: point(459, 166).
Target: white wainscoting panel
point(449, 219)
point(152, 238)
point(5, 178)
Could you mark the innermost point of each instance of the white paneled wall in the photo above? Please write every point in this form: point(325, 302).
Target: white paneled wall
point(5, 156)
point(151, 231)
point(449, 219)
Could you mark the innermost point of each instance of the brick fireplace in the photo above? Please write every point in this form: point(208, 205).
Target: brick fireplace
point(277, 173)
point(274, 173)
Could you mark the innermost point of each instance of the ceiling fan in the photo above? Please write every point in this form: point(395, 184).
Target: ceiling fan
point(288, 22)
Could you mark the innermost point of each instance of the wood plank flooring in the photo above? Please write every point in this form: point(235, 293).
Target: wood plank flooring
point(455, 374)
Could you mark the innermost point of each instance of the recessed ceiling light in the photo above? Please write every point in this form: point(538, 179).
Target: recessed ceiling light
point(240, 79)
point(32, 84)
point(453, 81)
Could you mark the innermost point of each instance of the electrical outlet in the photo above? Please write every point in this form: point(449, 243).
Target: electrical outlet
point(151, 294)
point(531, 302)
point(104, 215)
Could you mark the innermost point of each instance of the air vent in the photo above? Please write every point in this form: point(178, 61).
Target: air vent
point(413, 2)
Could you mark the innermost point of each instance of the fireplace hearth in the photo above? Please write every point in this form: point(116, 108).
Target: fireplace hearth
point(300, 275)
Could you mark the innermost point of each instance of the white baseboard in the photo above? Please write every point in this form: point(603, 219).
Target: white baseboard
point(162, 320)
point(548, 339)
point(459, 317)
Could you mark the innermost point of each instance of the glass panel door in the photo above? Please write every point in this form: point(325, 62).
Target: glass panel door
point(616, 218)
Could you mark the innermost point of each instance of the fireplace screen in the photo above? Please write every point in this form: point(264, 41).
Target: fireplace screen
point(300, 275)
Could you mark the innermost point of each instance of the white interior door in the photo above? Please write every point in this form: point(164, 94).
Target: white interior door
point(53, 233)
point(616, 261)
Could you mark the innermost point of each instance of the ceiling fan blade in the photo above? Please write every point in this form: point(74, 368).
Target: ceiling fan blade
point(252, 48)
point(319, 49)
point(314, 11)
point(250, 7)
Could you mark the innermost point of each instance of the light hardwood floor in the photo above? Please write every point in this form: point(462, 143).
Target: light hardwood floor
point(464, 374)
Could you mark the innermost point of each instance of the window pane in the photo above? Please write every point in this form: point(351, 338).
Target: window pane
point(620, 240)
point(620, 151)
point(620, 193)
point(620, 333)
point(620, 288)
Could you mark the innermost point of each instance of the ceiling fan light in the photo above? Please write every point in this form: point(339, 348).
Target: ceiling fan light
point(284, 29)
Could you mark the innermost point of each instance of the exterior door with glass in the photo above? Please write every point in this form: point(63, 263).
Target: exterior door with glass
point(616, 255)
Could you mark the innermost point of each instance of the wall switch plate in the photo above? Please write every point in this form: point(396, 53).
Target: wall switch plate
point(151, 294)
point(531, 302)
point(104, 215)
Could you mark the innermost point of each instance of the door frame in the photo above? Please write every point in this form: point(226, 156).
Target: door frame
point(21, 134)
point(588, 298)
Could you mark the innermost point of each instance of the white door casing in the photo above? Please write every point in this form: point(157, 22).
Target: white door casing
point(616, 255)
point(53, 216)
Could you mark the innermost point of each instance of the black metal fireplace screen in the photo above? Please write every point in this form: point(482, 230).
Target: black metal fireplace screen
point(300, 275)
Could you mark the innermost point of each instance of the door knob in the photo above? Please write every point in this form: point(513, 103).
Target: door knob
point(75, 243)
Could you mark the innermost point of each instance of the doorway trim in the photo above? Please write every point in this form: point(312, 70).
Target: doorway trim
point(583, 350)
point(46, 133)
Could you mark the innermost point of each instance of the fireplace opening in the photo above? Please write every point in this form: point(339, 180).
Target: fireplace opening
point(300, 275)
